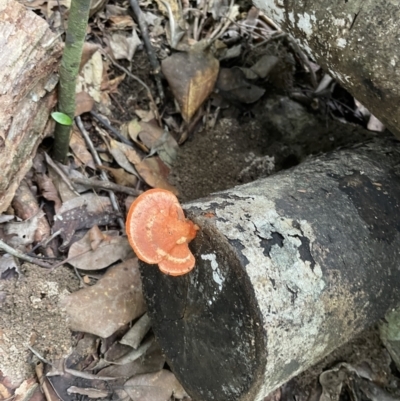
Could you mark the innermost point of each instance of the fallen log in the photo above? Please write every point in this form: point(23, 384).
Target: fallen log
point(355, 41)
point(30, 55)
point(287, 269)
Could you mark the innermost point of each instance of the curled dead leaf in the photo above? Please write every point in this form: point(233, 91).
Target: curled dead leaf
point(191, 76)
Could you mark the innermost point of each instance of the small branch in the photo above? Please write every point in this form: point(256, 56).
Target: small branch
point(112, 129)
point(106, 185)
point(103, 174)
point(149, 48)
point(22, 256)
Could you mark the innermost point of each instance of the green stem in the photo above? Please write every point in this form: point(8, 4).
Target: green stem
point(69, 69)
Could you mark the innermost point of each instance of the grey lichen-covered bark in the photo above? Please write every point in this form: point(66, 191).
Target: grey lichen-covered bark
point(356, 41)
point(287, 269)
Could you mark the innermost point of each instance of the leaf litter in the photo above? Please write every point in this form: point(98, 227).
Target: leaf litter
point(215, 57)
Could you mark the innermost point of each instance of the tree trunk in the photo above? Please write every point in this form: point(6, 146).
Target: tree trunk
point(30, 55)
point(287, 269)
point(356, 41)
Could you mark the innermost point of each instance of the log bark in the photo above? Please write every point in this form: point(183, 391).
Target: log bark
point(355, 41)
point(30, 55)
point(287, 269)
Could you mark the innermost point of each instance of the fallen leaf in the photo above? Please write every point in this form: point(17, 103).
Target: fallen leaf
point(22, 233)
point(136, 333)
point(90, 78)
point(78, 146)
point(152, 361)
point(87, 52)
point(48, 190)
point(8, 266)
point(120, 151)
point(375, 125)
point(123, 45)
point(115, 300)
point(90, 392)
point(83, 213)
point(90, 254)
point(191, 76)
point(154, 138)
point(83, 103)
point(121, 354)
point(233, 86)
point(158, 386)
point(121, 22)
point(155, 173)
point(121, 177)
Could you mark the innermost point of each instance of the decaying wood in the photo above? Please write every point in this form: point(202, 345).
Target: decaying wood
point(287, 269)
point(30, 55)
point(355, 41)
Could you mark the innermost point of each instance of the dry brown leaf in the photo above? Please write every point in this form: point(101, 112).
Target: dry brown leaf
point(144, 115)
point(121, 177)
point(84, 103)
point(191, 76)
point(78, 146)
point(124, 45)
point(121, 22)
point(154, 172)
point(233, 83)
point(48, 190)
point(150, 136)
point(152, 361)
point(90, 77)
point(95, 254)
point(119, 150)
point(158, 386)
point(22, 233)
point(115, 300)
point(87, 52)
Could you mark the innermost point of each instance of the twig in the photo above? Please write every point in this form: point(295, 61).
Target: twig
point(44, 360)
point(22, 256)
point(175, 35)
point(149, 48)
point(60, 172)
point(103, 174)
point(107, 185)
point(45, 385)
point(222, 27)
point(45, 242)
point(112, 129)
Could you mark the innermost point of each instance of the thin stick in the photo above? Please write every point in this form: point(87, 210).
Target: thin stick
point(103, 174)
point(112, 129)
point(107, 185)
point(60, 172)
point(22, 256)
point(149, 48)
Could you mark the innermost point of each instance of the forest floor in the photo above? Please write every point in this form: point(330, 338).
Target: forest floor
point(237, 137)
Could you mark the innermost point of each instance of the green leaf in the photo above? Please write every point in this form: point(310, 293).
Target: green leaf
point(61, 118)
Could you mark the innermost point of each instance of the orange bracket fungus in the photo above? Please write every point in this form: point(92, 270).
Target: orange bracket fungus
point(159, 232)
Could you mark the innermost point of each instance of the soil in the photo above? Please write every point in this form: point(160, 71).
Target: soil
point(31, 315)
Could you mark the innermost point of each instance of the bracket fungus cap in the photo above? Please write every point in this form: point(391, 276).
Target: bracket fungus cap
point(159, 232)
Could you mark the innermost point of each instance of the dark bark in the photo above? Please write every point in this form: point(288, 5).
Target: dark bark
point(287, 269)
point(355, 41)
